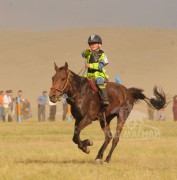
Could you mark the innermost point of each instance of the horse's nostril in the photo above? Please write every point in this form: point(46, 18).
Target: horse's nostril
point(53, 98)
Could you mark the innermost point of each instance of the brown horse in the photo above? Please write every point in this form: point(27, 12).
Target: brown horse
point(86, 106)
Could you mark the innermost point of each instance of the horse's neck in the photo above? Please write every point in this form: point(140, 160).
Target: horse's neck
point(76, 78)
point(75, 84)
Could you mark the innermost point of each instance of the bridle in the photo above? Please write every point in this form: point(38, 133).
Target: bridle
point(64, 87)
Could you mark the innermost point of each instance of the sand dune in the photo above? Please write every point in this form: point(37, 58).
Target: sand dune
point(141, 57)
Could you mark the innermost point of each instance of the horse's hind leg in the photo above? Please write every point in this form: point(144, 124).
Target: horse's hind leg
point(120, 123)
point(108, 137)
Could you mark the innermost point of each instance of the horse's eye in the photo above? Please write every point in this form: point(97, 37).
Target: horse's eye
point(63, 76)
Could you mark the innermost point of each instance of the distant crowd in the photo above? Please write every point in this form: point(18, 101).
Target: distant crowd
point(19, 108)
point(9, 108)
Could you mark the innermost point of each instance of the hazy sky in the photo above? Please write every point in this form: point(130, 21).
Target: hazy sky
point(55, 14)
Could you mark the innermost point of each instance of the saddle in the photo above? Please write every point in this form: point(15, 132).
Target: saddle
point(103, 107)
point(93, 84)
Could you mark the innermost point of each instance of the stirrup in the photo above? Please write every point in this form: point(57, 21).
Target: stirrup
point(103, 118)
point(105, 103)
point(69, 101)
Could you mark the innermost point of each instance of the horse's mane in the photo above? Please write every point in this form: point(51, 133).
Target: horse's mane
point(76, 77)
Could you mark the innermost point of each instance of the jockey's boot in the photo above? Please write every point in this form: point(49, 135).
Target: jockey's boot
point(104, 97)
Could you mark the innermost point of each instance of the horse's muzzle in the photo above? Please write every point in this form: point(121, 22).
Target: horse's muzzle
point(53, 98)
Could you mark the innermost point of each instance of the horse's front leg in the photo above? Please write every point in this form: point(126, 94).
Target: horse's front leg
point(79, 125)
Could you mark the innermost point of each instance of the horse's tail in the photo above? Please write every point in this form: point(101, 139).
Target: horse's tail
point(137, 94)
point(158, 102)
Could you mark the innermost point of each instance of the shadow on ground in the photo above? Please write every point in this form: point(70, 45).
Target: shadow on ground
point(36, 161)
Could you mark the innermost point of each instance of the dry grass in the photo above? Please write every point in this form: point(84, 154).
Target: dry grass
point(32, 150)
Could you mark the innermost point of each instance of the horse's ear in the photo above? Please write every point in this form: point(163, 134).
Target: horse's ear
point(66, 65)
point(55, 66)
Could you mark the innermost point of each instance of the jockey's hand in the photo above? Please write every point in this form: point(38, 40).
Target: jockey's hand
point(87, 65)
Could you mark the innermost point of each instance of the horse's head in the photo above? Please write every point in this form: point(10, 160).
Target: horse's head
point(59, 82)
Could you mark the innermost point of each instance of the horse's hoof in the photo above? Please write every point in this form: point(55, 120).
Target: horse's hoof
point(87, 151)
point(98, 161)
point(105, 163)
point(90, 143)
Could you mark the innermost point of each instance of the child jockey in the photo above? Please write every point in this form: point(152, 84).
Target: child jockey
point(95, 61)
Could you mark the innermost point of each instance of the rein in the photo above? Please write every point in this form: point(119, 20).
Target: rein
point(80, 82)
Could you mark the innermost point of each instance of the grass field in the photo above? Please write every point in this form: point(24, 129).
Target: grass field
point(32, 150)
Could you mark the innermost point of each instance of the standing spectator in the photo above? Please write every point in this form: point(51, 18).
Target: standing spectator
point(175, 107)
point(19, 105)
point(12, 105)
point(20, 94)
point(161, 115)
point(53, 110)
point(150, 113)
point(42, 101)
point(7, 109)
point(65, 107)
point(1, 105)
point(26, 110)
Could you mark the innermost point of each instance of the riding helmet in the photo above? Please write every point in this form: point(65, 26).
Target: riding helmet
point(94, 39)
